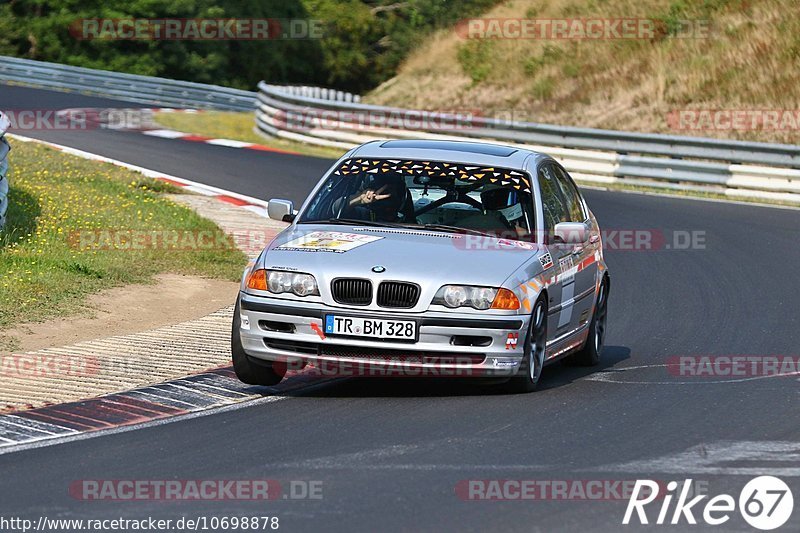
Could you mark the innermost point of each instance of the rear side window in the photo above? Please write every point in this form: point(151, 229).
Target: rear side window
point(571, 195)
point(555, 209)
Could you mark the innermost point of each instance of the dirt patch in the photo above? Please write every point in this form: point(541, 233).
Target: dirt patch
point(123, 310)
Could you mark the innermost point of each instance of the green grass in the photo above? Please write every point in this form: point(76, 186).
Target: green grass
point(46, 271)
point(237, 126)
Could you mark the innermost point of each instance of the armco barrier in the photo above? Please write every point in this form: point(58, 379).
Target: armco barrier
point(129, 87)
point(144, 89)
point(732, 168)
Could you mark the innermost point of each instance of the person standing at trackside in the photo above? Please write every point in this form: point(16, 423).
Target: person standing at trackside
point(4, 149)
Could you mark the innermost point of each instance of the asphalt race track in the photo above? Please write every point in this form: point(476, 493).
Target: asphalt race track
point(390, 453)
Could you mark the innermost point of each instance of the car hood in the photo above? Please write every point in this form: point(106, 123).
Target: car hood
point(427, 258)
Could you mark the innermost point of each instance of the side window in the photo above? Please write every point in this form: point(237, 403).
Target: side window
point(571, 195)
point(555, 210)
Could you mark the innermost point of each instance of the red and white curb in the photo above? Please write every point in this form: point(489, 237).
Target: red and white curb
point(119, 119)
point(229, 143)
point(180, 399)
point(249, 203)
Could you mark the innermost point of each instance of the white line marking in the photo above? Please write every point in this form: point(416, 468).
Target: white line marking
point(257, 209)
point(718, 458)
point(199, 189)
point(28, 428)
point(36, 424)
point(166, 134)
point(164, 400)
point(607, 376)
point(229, 143)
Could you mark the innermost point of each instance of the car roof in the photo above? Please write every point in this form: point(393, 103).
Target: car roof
point(470, 152)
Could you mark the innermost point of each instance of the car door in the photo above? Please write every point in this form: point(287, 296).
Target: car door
point(561, 289)
point(582, 262)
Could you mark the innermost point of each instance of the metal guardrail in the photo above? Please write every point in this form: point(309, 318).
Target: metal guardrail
point(130, 87)
point(734, 168)
point(4, 148)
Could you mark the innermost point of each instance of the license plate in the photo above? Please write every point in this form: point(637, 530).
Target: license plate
point(380, 328)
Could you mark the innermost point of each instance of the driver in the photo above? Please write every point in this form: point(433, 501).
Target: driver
point(506, 204)
point(381, 201)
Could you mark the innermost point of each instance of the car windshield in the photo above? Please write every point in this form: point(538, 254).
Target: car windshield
point(437, 196)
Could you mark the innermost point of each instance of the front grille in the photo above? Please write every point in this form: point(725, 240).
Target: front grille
point(352, 291)
point(397, 294)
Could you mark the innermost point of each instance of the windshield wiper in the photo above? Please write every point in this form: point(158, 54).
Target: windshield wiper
point(378, 223)
point(454, 229)
point(359, 222)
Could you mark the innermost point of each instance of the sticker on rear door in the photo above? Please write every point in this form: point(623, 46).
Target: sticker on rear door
point(328, 241)
point(546, 260)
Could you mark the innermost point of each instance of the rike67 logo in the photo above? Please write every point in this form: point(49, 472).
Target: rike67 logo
point(765, 502)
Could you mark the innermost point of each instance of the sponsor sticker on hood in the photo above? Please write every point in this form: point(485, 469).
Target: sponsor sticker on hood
point(328, 241)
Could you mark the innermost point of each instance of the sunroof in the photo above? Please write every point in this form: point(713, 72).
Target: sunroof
point(455, 146)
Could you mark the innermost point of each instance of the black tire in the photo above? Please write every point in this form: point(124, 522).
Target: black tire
point(590, 354)
point(249, 370)
point(530, 370)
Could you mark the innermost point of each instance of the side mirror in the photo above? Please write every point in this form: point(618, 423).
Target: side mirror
point(571, 233)
point(282, 210)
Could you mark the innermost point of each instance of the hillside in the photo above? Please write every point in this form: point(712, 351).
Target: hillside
point(749, 59)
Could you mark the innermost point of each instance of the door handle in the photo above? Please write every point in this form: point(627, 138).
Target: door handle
point(577, 250)
point(594, 238)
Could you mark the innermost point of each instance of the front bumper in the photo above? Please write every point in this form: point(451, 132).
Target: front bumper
point(449, 344)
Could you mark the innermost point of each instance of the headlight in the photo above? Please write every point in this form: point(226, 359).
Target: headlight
point(279, 281)
point(304, 284)
point(482, 297)
point(454, 296)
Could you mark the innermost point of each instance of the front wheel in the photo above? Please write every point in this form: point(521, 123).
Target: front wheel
point(591, 351)
point(533, 355)
point(251, 371)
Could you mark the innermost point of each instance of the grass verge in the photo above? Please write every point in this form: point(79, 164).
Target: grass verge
point(239, 127)
point(46, 271)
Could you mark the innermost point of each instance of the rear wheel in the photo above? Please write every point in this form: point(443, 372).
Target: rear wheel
point(591, 351)
point(250, 370)
point(533, 355)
